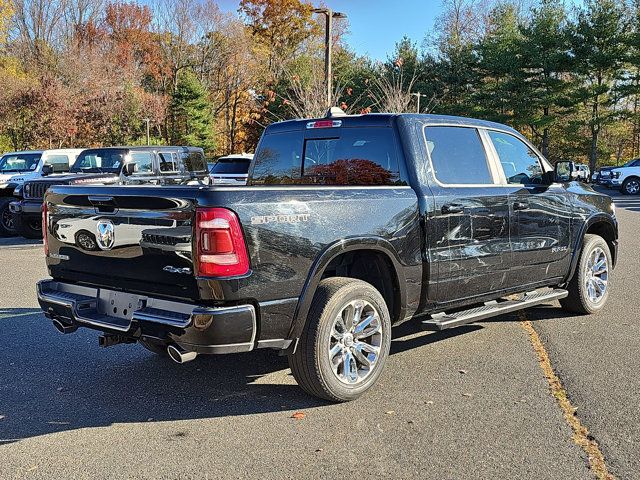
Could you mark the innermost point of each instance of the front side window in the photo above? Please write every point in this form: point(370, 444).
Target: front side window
point(458, 156)
point(521, 165)
point(278, 159)
point(143, 162)
point(19, 162)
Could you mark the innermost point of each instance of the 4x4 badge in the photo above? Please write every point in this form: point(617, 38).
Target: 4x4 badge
point(105, 234)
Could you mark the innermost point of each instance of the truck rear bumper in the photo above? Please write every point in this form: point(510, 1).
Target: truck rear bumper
point(191, 327)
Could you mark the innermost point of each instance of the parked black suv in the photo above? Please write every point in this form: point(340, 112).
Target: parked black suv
point(349, 224)
point(111, 166)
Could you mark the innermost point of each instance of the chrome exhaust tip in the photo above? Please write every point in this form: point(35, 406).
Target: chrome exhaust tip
point(180, 355)
point(63, 327)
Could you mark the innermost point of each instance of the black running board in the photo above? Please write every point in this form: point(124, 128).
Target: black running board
point(442, 321)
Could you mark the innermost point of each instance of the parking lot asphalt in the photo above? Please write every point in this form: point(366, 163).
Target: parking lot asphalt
point(472, 402)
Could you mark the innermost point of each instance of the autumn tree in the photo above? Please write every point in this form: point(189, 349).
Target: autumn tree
point(279, 27)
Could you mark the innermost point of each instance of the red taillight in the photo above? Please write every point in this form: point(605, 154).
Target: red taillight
point(220, 247)
point(45, 237)
point(324, 124)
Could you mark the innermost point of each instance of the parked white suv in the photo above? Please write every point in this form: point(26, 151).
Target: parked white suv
point(627, 179)
point(19, 167)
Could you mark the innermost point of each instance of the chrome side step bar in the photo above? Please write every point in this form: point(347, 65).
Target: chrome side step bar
point(443, 320)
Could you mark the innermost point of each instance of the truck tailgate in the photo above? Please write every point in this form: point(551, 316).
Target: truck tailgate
point(131, 238)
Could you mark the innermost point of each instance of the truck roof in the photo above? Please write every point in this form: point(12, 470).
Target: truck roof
point(386, 119)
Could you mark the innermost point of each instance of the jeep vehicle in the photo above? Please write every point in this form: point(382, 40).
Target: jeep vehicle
point(111, 166)
point(349, 225)
point(231, 169)
point(19, 167)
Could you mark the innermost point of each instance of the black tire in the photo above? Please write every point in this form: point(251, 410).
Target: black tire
point(28, 227)
point(631, 186)
point(311, 365)
point(579, 300)
point(7, 225)
point(153, 346)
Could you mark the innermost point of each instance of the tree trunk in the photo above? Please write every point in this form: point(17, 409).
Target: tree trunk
point(545, 135)
point(593, 155)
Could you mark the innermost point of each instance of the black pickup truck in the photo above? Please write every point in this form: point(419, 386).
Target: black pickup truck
point(348, 225)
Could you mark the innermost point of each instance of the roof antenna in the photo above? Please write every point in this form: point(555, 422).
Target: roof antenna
point(335, 112)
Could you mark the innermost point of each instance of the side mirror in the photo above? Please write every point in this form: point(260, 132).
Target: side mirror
point(565, 171)
point(47, 169)
point(129, 169)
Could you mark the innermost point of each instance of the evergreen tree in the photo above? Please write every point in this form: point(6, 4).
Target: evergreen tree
point(191, 113)
point(599, 44)
point(545, 60)
point(502, 94)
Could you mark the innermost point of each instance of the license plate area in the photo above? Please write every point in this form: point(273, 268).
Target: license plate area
point(119, 304)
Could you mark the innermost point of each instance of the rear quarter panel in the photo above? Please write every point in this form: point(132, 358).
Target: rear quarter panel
point(287, 229)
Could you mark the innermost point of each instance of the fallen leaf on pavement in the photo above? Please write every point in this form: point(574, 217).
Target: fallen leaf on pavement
point(390, 412)
point(298, 415)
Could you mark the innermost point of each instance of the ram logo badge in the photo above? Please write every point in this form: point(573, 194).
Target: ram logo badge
point(106, 236)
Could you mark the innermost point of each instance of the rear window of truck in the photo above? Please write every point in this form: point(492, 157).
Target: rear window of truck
point(348, 156)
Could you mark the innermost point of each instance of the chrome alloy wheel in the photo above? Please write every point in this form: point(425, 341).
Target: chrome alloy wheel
point(597, 275)
point(356, 339)
point(632, 187)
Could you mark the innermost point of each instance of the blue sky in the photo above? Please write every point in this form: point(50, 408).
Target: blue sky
point(376, 25)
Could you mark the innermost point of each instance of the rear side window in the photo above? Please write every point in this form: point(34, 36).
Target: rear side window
point(278, 159)
point(360, 156)
point(458, 156)
point(194, 161)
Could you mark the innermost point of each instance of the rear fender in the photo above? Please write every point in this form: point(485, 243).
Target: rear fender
point(323, 260)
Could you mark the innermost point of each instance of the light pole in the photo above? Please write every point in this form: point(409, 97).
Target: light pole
point(329, 16)
point(418, 95)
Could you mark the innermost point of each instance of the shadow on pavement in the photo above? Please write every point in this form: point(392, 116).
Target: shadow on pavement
point(18, 242)
point(51, 383)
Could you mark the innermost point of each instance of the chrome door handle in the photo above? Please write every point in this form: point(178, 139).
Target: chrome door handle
point(520, 205)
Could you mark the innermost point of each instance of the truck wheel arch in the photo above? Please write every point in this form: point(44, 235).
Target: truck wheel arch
point(601, 225)
point(334, 252)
